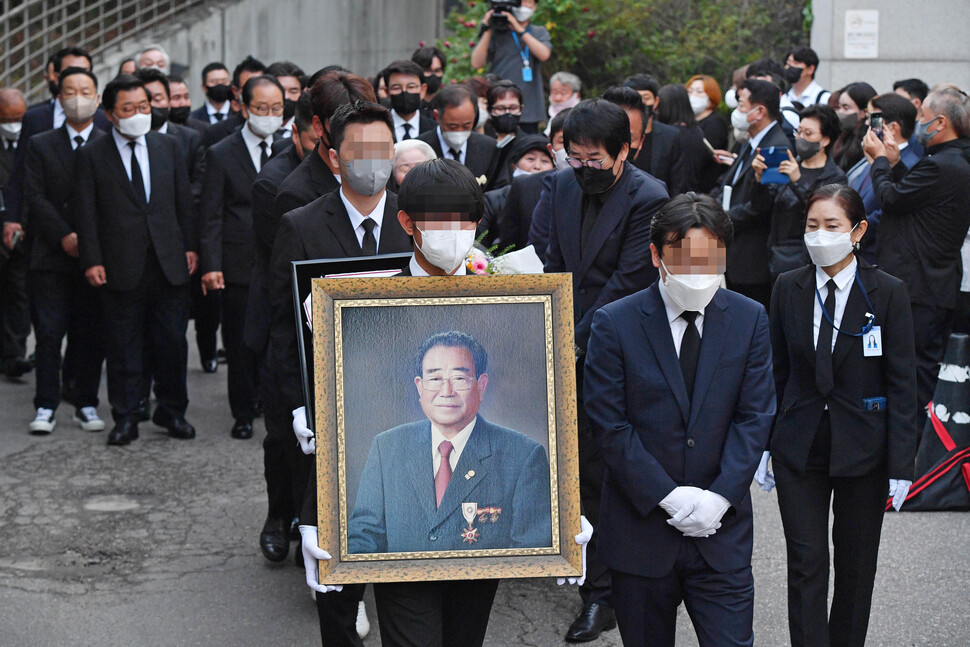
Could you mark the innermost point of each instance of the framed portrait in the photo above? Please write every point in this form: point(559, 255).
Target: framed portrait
point(446, 442)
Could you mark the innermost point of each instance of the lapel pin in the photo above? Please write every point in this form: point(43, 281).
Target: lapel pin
point(469, 474)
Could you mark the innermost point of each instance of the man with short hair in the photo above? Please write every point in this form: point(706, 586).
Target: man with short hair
point(247, 69)
point(406, 91)
point(153, 57)
point(800, 67)
point(137, 243)
point(293, 81)
point(564, 92)
point(925, 221)
point(180, 105)
point(456, 111)
point(652, 143)
point(216, 84)
point(12, 109)
point(915, 90)
point(432, 62)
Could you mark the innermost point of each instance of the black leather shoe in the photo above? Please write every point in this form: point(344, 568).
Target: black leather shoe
point(178, 427)
point(123, 433)
point(243, 430)
point(273, 540)
point(594, 619)
point(16, 367)
point(210, 365)
point(295, 530)
point(144, 411)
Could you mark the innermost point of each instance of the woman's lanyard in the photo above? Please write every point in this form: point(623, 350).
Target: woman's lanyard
point(524, 53)
point(871, 318)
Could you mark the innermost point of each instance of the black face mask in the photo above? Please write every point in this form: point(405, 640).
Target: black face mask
point(593, 181)
point(218, 93)
point(159, 117)
point(289, 109)
point(806, 149)
point(792, 74)
point(505, 123)
point(179, 115)
point(647, 114)
point(433, 81)
point(405, 103)
point(53, 88)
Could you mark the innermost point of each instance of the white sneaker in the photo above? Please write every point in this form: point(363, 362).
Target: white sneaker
point(43, 423)
point(363, 624)
point(88, 418)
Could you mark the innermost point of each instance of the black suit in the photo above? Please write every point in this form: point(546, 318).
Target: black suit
point(63, 302)
point(614, 262)
point(748, 255)
point(227, 246)
point(662, 155)
point(308, 181)
point(480, 152)
point(142, 248)
point(424, 124)
point(202, 115)
point(7, 155)
point(522, 199)
point(845, 450)
point(218, 131)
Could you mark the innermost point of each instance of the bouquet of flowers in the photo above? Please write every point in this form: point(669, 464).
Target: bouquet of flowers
point(481, 260)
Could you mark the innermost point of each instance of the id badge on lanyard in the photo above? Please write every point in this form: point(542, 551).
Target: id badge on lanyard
point(526, 64)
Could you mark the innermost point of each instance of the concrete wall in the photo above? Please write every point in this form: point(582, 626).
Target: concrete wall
point(361, 35)
point(927, 39)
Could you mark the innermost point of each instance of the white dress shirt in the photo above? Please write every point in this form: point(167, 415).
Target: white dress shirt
point(810, 94)
point(417, 270)
point(59, 116)
point(211, 111)
point(357, 218)
point(414, 122)
point(678, 325)
point(141, 153)
point(843, 285)
point(446, 150)
point(71, 134)
point(252, 145)
point(458, 445)
point(754, 143)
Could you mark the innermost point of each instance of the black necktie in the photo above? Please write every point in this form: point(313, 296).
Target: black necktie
point(455, 155)
point(824, 381)
point(264, 156)
point(136, 178)
point(79, 141)
point(690, 350)
point(218, 116)
point(11, 145)
point(369, 246)
point(407, 131)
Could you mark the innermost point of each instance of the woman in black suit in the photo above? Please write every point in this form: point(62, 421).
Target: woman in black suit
point(844, 363)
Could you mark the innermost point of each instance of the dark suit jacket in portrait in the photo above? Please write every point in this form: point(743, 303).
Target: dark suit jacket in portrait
point(226, 239)
point(194, 151)
point(654, 439)
point(663, 152)
point(861, 440)
point(616, 261)
point(748, 255)
point(395, 510)
point(116, 227)
point(218, 131)
point(424, 124)
point(49, 187)
point(480, 153)
point(311, 179)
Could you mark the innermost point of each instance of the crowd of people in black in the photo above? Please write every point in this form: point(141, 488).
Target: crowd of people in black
point(127, 213)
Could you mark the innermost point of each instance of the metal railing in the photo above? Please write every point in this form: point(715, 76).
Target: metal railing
point(32, 30)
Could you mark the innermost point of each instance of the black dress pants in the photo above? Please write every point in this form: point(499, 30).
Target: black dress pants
point(337, 612)
point(434, 614)
point(152, 319)
point(14, 305)
point(858, 505)
point(65, 304)
point(285, 466)
point(241, 359)
point(206, 311)
point(933, 326)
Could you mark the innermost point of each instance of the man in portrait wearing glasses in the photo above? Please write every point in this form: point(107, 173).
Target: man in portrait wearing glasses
point(599, 214)
point(454, 481)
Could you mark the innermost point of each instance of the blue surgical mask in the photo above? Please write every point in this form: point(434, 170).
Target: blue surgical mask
point(923, 136)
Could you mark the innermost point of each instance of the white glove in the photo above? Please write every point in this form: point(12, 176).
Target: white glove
point(701, 517)
point(678, 498)
point(762, 476)
point(582, 539)
point(303, 433)
point(311, 554)
point(898, 489)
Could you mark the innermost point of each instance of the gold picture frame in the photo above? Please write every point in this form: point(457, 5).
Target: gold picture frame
point(363, 328)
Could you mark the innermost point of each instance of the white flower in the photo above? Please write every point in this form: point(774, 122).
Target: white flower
point(482, 180)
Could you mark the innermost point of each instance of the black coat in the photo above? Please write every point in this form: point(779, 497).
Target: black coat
point(319, 230)
point(49, 187)
point(925, 216)
point(523, 196)
point(191, 142)
point(479, 155)
point(115, 227)
point(662, 152)
point(616, 261)
point(218, 131)
point(861, 440)
point(307, 182)
point(748, 255)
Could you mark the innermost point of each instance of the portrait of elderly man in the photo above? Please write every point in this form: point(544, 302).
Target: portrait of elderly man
point(454, 481)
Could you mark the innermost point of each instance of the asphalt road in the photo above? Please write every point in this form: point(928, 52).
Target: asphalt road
point(156, 544)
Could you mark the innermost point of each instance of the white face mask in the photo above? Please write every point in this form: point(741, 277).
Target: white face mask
point(828, 247)
point(731, 98)
point(522, 14)
point(264, 126)
point(740, 120)
point(691, 291)
point(519, 173)
point(79, 108)
point(446, 249)
point(136, 125)
point(559, 158)
point(10, 131)
point(455, 138)
point(699, 104)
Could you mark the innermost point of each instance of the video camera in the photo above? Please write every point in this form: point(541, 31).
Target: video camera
point(500, 21)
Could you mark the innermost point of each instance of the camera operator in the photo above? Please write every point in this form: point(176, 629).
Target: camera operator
point(515, 50)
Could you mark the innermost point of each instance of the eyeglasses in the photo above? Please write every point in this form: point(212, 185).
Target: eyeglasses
point(593, 164)
point(397, 88)
point(506, 110)
point(458, 383)
point(264, 110)
point(129, 109)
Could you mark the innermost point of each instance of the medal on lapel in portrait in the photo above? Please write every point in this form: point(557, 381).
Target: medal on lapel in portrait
point(469, 535)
